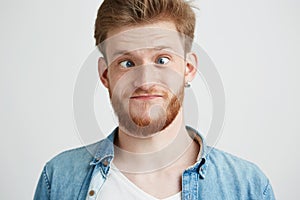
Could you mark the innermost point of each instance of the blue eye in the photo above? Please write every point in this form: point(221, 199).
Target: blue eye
point(127, 64)
point(163, 60)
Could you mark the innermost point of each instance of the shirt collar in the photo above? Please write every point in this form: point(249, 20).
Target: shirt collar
point(104, 152)
point(105, 149)
point(195, 135)
point(201, 165)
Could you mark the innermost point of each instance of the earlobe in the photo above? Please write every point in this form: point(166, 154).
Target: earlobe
point(102, 70)
point(191, 66)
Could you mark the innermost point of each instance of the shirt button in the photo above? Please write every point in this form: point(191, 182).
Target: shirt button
point(91, 192)
point(105, 163)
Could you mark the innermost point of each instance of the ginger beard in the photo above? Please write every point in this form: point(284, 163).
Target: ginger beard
point(145, 118)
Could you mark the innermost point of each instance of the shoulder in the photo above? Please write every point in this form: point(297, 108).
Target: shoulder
point(227, 162)
point(68, 173)
point(234, 178)
point(71, 161)
point(71, 155)
point(244, 174)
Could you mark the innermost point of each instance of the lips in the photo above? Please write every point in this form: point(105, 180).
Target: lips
point(146, 96)
point(151, 92)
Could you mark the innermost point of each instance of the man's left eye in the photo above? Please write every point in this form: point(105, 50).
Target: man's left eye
point(162, 60)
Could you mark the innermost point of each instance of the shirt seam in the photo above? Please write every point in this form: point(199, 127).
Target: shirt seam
point(45, 175)
point(266, 188)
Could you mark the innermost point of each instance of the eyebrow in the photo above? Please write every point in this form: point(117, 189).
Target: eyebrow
point(120, 52)
point(126, 52)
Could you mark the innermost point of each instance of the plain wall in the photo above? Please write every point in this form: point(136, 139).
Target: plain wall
point(254, 45)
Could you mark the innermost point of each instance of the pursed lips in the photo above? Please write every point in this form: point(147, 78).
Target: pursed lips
point(146, 96)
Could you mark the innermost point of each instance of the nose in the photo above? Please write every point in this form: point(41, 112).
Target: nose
point(144, 76)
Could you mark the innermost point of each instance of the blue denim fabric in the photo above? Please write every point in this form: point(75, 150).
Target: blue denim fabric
point(80, 173)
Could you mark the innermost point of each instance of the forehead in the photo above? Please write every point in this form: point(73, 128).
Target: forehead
point(160, 35)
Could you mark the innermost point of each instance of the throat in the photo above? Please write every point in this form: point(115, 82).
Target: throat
point(164, 182)
point(175, 152)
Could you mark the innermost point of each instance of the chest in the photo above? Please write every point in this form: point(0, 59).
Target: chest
point(159, 185)
point(141, 186)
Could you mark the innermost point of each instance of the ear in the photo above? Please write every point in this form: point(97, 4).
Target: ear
point(102, 70)
point(191, 66)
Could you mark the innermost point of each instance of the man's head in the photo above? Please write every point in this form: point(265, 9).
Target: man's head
point(114, 14)
point(144, 67)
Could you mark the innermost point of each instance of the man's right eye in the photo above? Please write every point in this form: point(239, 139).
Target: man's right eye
point(127, 64)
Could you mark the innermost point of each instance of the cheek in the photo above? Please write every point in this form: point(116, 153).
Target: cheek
point(173, 78)
point(113, 79)
point(121, 84)
point(180, 67)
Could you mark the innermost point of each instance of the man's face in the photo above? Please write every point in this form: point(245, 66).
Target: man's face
point(145, 76)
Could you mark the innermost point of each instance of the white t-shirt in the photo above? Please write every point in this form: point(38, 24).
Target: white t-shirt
point(117, 186)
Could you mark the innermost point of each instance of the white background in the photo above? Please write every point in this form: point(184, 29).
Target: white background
point(254, 44)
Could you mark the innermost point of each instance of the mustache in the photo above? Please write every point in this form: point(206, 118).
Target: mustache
point(149, 91)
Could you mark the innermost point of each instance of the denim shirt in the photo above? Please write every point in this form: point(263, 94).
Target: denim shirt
point(80, 174)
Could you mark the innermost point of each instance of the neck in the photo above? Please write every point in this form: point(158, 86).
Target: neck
point(156, 141)
point(163, 148)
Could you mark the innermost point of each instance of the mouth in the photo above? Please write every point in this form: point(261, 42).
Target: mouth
point(146, 96)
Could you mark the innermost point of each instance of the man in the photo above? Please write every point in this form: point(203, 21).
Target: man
point(147, 62)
